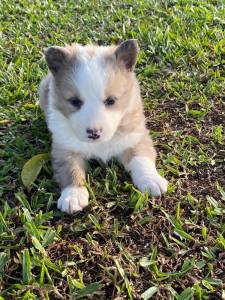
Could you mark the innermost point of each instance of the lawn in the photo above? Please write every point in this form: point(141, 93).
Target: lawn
point(125, 245)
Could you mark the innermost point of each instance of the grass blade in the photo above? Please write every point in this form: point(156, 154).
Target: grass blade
point(26, 267)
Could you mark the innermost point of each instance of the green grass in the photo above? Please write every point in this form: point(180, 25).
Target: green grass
point(124, 245)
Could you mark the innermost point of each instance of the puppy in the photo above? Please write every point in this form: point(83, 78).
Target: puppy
point(92, 103)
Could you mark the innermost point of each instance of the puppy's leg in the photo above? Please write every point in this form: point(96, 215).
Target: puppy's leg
point(69, 169)
point(140, 162)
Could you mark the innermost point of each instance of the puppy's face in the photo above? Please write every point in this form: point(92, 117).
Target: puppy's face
point(92, 86)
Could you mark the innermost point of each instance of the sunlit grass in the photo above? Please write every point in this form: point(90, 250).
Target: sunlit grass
point(124, 246)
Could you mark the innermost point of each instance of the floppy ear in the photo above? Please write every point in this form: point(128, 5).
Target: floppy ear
point(56, 58)
point(127, 53)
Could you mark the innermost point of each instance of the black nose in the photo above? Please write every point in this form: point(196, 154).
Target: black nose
point(94, 134)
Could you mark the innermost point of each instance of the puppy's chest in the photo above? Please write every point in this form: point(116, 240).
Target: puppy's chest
point(106, 150)
point(66, 139)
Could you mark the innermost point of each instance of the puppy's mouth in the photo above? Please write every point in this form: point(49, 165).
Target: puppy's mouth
point(94, 137)
point(91, 139)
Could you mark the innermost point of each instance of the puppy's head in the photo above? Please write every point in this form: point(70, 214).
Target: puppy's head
point(93, 86)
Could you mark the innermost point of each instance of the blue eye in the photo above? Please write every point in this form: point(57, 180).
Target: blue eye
point(76, 102)
point(110, 101)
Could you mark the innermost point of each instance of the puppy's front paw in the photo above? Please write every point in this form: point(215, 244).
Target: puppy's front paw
point(73, 199)
point(146, 177)
point(155, 184)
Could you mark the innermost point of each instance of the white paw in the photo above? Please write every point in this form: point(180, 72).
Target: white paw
point(146, 177)
point(73, 199)
point(154, 184)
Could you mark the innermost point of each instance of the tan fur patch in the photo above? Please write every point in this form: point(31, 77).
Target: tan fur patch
point(69, 167)
point(120, 85)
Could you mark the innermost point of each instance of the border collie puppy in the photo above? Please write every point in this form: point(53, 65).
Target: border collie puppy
point(93, 108)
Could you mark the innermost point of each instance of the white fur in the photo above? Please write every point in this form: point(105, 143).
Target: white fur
point(65, 137)
point(89, 77)
point(73, 199)
point(69, 133)
point(146, 177)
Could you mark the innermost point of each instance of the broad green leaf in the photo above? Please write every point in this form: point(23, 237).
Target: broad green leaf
point(149, 293)
point(32, 168)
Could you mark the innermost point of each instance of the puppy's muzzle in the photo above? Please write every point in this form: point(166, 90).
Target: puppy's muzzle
point(94, 133)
